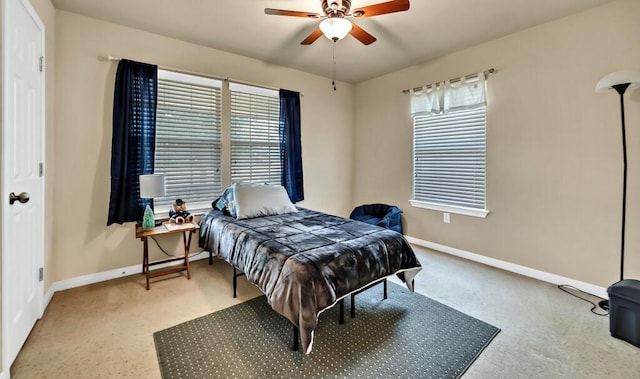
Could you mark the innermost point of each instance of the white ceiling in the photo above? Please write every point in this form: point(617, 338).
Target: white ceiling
point(431, 28)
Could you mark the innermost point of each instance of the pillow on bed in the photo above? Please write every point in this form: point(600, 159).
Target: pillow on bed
point(226, 202)
point(255, 200)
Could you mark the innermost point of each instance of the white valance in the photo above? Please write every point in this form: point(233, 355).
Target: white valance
point(428, 100)
point(443, 97)
point(465, 93)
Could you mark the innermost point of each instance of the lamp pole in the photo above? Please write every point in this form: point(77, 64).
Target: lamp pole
point(621, 88)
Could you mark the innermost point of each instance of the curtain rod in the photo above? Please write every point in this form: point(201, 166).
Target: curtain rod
point(112, 58)
point(486, 73)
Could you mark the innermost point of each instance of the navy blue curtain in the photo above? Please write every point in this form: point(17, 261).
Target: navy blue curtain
point(291, 145)
point(134, 138)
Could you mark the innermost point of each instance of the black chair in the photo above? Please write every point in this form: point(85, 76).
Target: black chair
point(386, 216)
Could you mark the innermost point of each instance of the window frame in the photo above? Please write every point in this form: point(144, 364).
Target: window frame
point(225, 139)
point(443, 206)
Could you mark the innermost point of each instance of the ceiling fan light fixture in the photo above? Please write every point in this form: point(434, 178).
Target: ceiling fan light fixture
point(335, 28)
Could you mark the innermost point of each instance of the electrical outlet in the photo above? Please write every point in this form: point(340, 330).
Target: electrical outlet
point(446, 217)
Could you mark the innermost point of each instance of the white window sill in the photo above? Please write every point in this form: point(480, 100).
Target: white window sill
point(482, 213)
point(162, 213)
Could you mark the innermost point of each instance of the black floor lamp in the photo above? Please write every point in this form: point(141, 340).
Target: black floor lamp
point(620, 81)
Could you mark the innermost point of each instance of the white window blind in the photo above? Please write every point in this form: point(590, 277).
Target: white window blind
point(449, 146)
point(188, 139)
point(449, 158)
point(255, 146)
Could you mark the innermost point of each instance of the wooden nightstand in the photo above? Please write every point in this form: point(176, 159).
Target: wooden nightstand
point(187, 231)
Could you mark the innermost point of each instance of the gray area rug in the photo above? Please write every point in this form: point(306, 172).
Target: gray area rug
point(406, 336)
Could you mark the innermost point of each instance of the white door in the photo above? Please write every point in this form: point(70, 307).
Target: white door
point(22, 152)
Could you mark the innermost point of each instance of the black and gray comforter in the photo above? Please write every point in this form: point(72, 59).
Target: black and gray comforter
point(305, 262)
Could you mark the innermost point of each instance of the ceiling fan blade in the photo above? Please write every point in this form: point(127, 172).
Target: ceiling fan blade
point(282, 12)
point(312, 37)
point(381, 8)
point(361, 35)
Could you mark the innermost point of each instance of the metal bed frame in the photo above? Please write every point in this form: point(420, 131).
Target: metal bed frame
point(296, 332)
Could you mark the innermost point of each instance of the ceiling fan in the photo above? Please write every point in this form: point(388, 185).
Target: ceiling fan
point(335, 26)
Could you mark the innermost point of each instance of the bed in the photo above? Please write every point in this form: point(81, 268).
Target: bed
point(306, 261)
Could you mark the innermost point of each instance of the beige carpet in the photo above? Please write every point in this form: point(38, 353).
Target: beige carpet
point(105, 330)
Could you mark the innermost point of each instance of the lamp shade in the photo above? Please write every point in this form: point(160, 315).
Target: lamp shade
point(151, 185)
point(335, 28)
point(618, 77)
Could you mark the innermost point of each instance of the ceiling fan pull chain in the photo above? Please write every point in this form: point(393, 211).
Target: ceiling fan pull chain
point(333, 83)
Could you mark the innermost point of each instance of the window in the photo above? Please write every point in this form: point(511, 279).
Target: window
point(188, 139)
point(189, 130)
point(255, 146)
point(449, 147)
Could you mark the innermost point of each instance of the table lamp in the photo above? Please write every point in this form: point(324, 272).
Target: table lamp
point(151, 186)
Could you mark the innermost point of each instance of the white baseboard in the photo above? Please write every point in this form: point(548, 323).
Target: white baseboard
point(84, 280)
point(4, 375)
point(507, 266)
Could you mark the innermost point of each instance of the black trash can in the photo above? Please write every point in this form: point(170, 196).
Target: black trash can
point(624, 310)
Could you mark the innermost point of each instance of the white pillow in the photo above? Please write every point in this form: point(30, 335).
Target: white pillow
point(255, 200)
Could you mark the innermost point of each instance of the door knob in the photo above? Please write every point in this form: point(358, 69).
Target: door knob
point(23, 197)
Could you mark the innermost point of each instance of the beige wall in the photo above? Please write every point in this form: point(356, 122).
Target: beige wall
point(84, 97)
point(554, 160)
